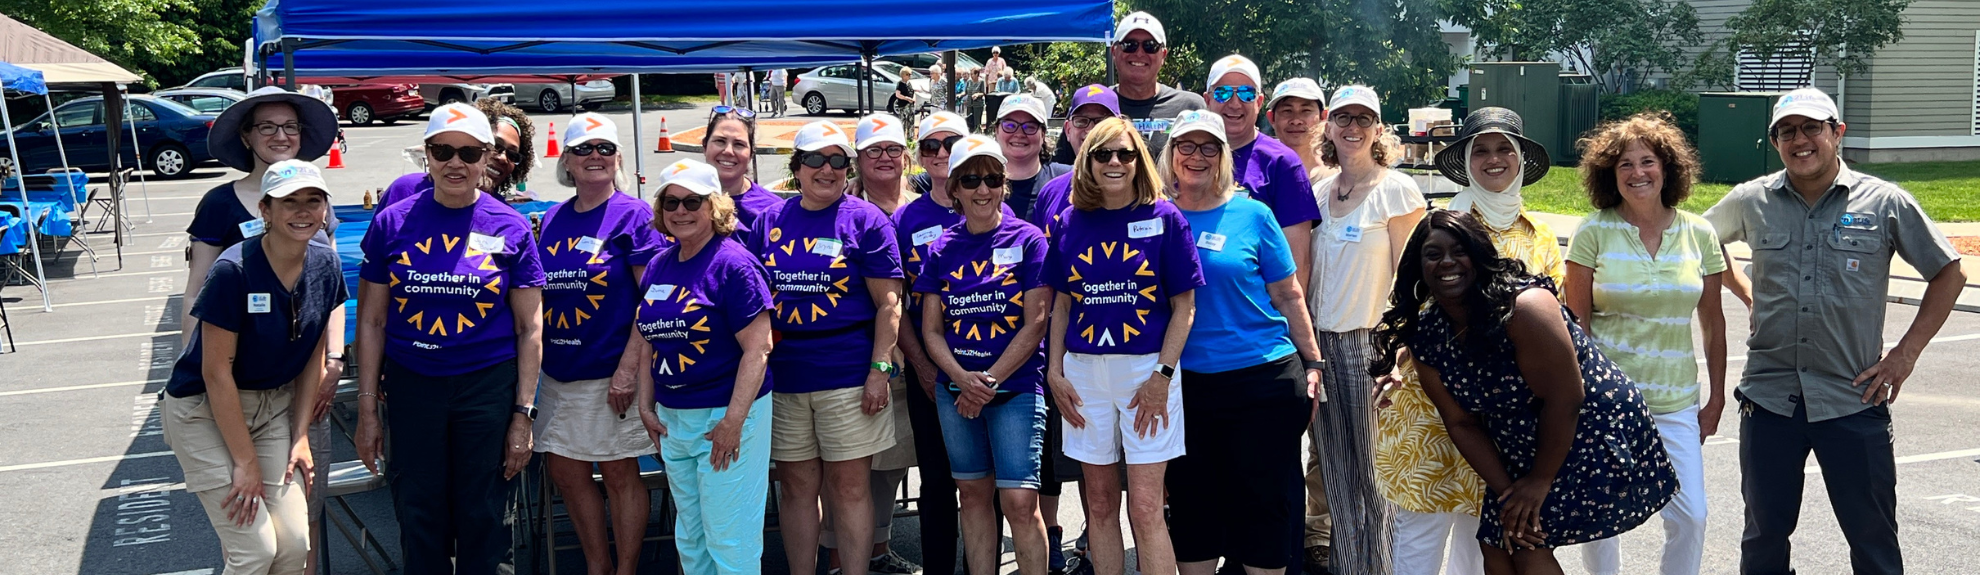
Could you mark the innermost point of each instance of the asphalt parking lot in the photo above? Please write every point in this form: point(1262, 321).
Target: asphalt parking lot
point(87, 485)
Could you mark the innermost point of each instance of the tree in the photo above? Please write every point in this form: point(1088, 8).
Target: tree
point(135, 34)
point(1841, 33)
point(1619, 42)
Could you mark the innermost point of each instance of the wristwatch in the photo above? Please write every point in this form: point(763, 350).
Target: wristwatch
point(887, 368)
point(527, 411)
point(335, 356)
point(1166, 371)
point(1320, 364)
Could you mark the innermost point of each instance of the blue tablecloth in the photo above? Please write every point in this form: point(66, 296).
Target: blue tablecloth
point(13, 235)
point(50, 217)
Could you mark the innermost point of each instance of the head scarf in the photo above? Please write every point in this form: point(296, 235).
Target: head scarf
point(1500, 210)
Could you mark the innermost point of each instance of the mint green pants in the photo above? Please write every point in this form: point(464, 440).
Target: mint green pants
point(719, 528)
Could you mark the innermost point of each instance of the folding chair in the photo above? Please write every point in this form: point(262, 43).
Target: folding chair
point(651, 474)
point(348, 478)
point(100, 199)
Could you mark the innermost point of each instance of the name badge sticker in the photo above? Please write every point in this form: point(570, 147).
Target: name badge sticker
point(1007, 256)
point(927, 235)
point(258, 303)
point(828, 247)
point(1350, 233)
point(485, 244)
point(589, 244)
point(1211, 241)
point(1858, 220)
point(252, 228)
point(659, 292)
point(1147, 228)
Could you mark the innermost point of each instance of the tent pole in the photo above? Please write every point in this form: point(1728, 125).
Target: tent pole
point(59, 147)
point(639, 159)
point(20, 172)
point(289, 63)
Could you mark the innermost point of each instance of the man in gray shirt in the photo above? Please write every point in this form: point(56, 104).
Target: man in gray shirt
point(1140, 48)
point(1816, 376)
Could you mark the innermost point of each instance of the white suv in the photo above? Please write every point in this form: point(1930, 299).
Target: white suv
point(437, 95)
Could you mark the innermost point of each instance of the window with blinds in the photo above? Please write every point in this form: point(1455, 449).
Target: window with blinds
point(1792, 67)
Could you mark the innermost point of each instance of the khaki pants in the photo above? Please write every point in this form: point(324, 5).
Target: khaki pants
point(277, 540)
point(1319, 521)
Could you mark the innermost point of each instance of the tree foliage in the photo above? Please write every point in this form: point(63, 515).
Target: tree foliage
point(1842, 33)
point(1619, 42)
point(166, 41)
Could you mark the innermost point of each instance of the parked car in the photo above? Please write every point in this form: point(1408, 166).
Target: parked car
point(230, 78)
point(833, 87)
point(921, 62)
point(437, 95)
point(171, 136)
point(363, 104)
point(554, 96)
point(205, 100)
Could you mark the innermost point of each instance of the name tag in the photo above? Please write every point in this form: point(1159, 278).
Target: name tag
point(1145, 229)
point(828, 247)
point(927, 235)
point(1007, 256)
point(1350, 233)
point(1858, 220)
point(252, 228)
point(258, 303)
point(485, 244)
point(659, 292)
point(589, 244)
point(1210, 241)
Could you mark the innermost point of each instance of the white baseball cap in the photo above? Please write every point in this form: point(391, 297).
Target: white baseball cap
point(1304, 88)
point(1198, 121)
point(879, 129)
point(291, 176)
point(1140, 21)
point(973, 146)
point(1357, 95)
point(1235, 63)
point(460, 118)
point(1808, 102)
point(943, 121)
point(1015, 103)
point(818, 135)
point(692, 175)
point(588, 127)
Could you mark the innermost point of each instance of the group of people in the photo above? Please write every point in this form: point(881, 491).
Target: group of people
point(1164, 318)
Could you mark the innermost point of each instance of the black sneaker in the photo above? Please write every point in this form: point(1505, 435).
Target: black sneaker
point(892, 563)
point(1319, 560)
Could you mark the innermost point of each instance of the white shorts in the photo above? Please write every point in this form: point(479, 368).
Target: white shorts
point(1106, 385)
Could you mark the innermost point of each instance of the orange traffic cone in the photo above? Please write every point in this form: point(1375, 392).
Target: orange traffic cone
point(666, 142)
point(551, 150)
point(336, 157)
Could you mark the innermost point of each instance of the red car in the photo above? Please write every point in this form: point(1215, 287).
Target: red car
point(362, 104)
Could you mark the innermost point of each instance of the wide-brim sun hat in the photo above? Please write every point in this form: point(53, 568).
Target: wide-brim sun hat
point(318, 121)
point(1454, 162)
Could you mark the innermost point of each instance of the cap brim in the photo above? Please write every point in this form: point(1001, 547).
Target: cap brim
point(291, 189)
point(1317, 99)
point(593, 138)
point(1180, 132)
point(477, 137)
point(902, 140)
point(816, 147)
point(1452, 163)
point(318, 121)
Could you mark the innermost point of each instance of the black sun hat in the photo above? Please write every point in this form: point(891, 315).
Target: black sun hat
point(1453, 161)
point(318, 121)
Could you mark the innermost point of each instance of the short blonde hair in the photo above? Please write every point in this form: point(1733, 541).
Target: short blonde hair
point(1086, 194)
point(619, 179)
point(721, 213)
point(1225, 182)
point(1386, 150)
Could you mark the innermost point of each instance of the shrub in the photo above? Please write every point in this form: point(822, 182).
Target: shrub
point(1682, 105)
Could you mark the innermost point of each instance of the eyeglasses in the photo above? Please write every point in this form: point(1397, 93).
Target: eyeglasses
point(606, 149)
point(930, 146)
point(1246, 94)
point(1788, 133)
point(1207, 150)
point(971, 181)
point(295, 314)
point(1010, 127)
point(469, 154)
point(671, 204)
point(741, 112)
point(874, 153)
point(1086, 122)
point(1130, 46)
point(1104, 155)
point(817, 160)
point(269, 128)
point(1342, 119)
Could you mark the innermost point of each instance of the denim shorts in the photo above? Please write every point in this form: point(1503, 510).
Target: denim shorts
point(1006, 437)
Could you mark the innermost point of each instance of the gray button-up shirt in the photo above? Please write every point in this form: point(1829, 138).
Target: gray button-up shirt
point(1819, 283)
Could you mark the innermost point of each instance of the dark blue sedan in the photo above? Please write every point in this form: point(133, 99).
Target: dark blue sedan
point(171, 136)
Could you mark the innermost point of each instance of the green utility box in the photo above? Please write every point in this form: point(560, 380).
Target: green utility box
point(1581, 110)
point(1531, 89)
point(1732, 136)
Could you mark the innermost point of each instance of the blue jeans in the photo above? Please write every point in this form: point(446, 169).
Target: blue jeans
point(1006, 437)
point(719, 528)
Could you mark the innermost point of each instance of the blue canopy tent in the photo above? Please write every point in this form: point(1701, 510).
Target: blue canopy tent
point(25, 81)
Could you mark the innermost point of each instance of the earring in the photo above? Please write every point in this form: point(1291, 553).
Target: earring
point(1421, 290)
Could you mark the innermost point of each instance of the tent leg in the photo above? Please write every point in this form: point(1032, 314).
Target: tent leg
point(34, 241)
point(639, 159)
point(60, 148)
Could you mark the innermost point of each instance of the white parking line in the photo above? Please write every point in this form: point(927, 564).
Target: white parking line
point(100, 337)
point(114, 301)
point(118, 275)
point(79, 387)
point(84, 461)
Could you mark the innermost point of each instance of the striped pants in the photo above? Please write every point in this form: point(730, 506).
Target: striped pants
point(1343, 435)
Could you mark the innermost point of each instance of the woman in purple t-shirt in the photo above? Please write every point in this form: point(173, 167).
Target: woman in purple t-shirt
point(450, 313)
point(729, 144)
point(836, 272)
point(1126, 273)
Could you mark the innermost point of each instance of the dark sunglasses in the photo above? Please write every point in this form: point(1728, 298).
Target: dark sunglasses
point(1342, 119)
point(929, 146)
point(1130, 46)
point(1207, 150)
point(513, 153)
point(607, 149)
point(295, 313)
point(1030, 128)
point(874, 153)
point(971, 181)
point(1246, 94)
point(1103, 155)
point(725, 109)
point(670, 203)
point(446, 153)
point(817, 160)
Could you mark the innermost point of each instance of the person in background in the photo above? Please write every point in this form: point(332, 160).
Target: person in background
point(835, 272)
point(1254, 370)
point(779, 80)
point(593, 246)
point(1140, 47)
point(1113, 366)
point(1298, 115)
point(935, 84)
point(1265, 168)
point(240, 396)
point(974, 98)
point(729, 144)
point(1020, 132)
point(995, 69)
point(515, 141)
point(881, 140)
point(1042, 92)
point(1818, 375)
point(450, 312)
point(903, 98)
point(1007, 82)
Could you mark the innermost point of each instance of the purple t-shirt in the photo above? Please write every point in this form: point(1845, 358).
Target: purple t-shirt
point(405, 186)
point(449, 272)
point(1121, 267)
point(690, 312)
point(751, 206)
point(818, 262)
point(1053, 199)
point(917, 226)
point(982, 279)
point(588, 258)
point(1272, 173)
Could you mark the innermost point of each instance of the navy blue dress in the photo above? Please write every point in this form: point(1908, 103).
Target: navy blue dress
point(1616, 474)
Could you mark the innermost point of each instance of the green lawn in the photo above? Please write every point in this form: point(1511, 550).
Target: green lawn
point(1948, 190)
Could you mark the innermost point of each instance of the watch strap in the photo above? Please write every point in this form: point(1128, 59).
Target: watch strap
point(1165, 370)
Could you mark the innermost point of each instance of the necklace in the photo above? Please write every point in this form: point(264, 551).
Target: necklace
point(1343, 196)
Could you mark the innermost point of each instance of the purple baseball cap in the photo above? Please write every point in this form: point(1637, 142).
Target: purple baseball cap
point(1096, 94)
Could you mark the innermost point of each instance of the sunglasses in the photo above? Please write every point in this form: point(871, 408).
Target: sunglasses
point(1342, 120)
point(1246, 94)
point(971, 181)
point(513, 153)
point(929, 146)
point(817, 160)
point(607, 149)
point(670, 203)
point(874, 153)
point(446, 153)
point(1207, 150)
point(1130, 46)
point(742, 112)
point(1104, 155)
point(269, 128)
point(1030, 128)
point(295, 314)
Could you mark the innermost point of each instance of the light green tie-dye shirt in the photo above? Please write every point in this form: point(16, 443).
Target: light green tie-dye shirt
point(1643, 306)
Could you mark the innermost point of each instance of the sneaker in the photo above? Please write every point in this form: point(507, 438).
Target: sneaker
point(1056, 536)
point(1080, 545)
point(892, 563)
point(1319, 560)
point(1230, 567)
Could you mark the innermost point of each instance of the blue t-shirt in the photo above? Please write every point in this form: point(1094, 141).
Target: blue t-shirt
point(1242, 250)
point(588, 258)
point(243, 295)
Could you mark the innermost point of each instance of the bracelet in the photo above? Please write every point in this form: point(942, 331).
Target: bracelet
point(364, 394)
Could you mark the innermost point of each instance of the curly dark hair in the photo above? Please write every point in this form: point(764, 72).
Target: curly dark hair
point(1602, 149)
point(1499, 283)
point(496, 110)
